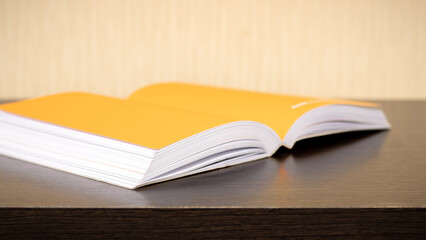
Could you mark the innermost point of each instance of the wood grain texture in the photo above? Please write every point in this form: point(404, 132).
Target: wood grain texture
point(213, 223)
point(335, 48)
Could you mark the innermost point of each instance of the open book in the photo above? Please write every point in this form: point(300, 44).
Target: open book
point(170, 130)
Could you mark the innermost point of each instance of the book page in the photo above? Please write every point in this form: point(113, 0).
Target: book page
point(278, 112)
point(149, 125)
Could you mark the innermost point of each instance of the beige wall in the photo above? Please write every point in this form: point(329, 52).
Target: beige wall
point(339, 48)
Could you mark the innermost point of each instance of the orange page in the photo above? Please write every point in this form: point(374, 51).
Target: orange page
point(277, 111)
point(145, 124)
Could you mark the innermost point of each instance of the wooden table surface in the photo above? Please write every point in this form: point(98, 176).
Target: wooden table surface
point(350, 186)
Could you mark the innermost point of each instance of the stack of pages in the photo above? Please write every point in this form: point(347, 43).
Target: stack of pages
point(169, 130)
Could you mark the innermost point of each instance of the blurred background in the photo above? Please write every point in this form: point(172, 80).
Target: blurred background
point(359, 49)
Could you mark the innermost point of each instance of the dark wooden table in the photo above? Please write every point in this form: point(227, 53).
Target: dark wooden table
point(349, 186)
